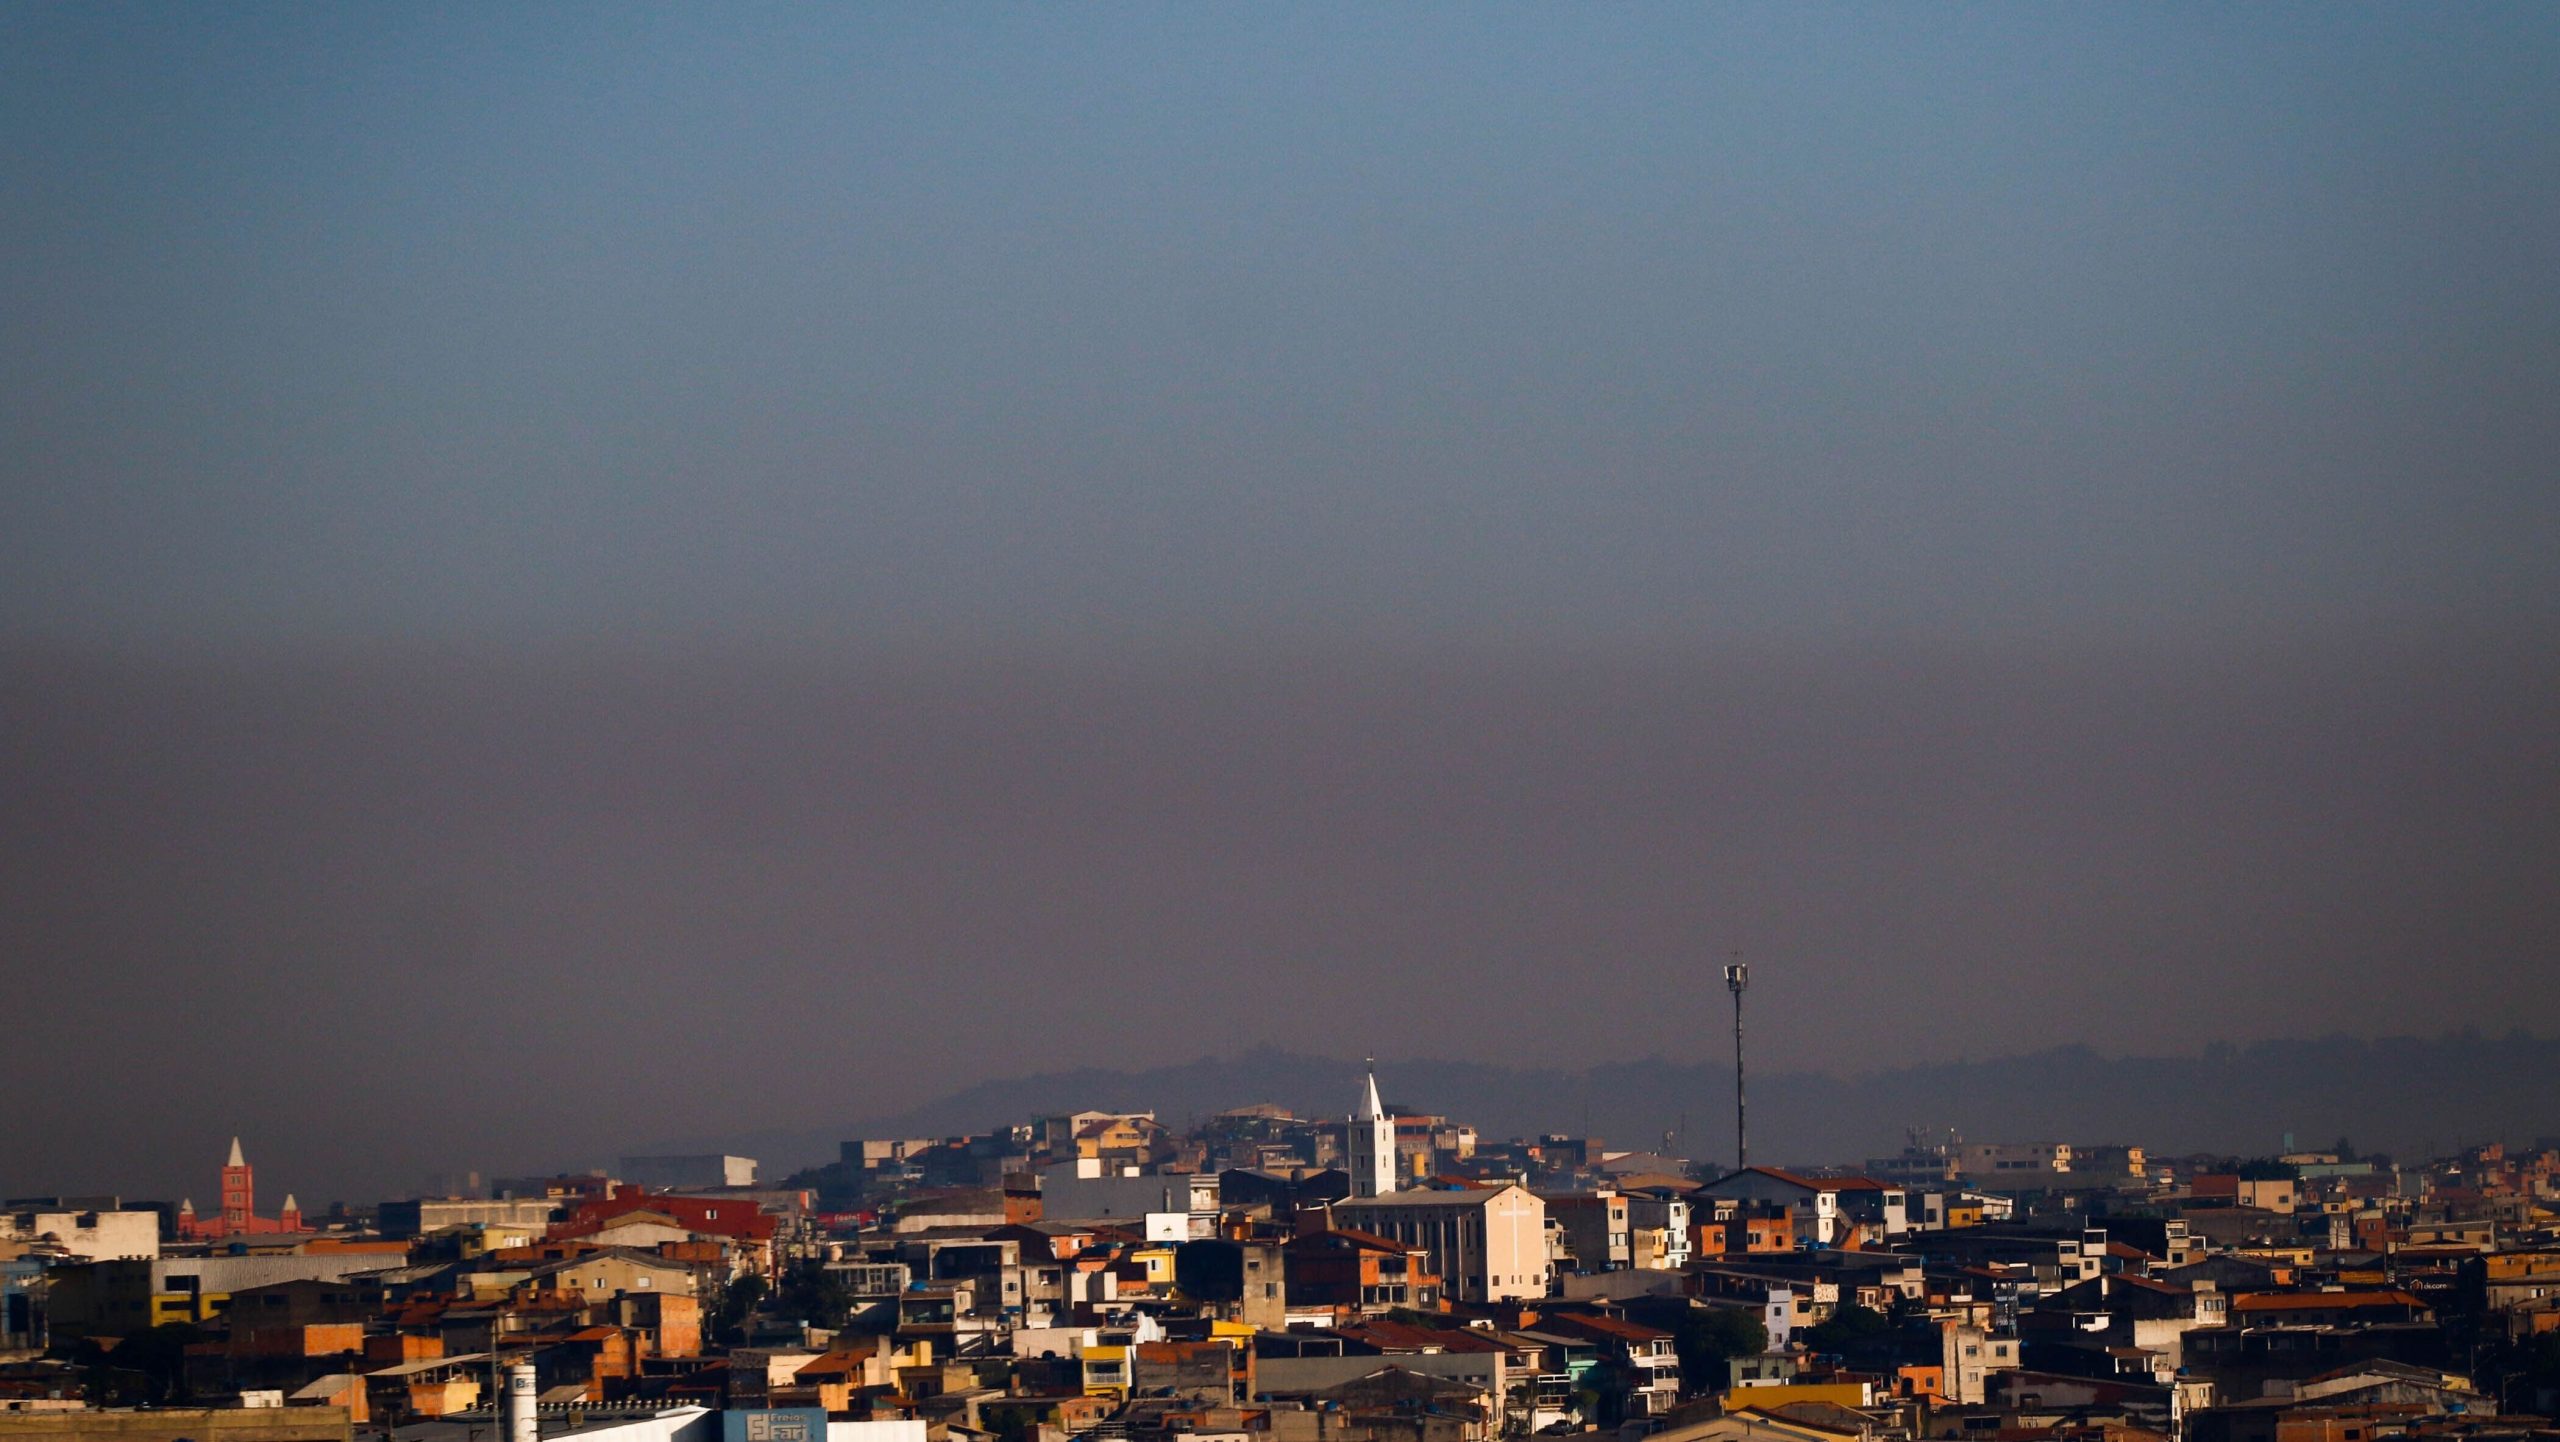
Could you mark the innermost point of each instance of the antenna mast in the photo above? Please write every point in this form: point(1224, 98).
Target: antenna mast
point(1736, 977)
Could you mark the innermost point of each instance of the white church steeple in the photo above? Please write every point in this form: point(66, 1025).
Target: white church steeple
point(1373, 1143)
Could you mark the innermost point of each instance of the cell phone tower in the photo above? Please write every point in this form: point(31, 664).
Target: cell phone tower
point(1736, 977)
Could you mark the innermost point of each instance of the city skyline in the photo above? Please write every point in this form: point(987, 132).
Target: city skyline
point(568, 574)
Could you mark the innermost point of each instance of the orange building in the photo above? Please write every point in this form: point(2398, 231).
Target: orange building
point(1741, 1228)
point(1358, 1272)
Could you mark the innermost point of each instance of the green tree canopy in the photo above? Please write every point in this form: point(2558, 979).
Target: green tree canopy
point(810, 1293)
point(1707, 1337)
point(1846, 1327)
point(737, 1301)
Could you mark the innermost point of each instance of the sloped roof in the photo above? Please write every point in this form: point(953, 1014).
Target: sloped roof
point(2381, 1367)
point(622, 1254)
point(2321, 1301)
point(843, 1361)
point(1389, 1334)
point(1821, 1416)
point(1365, 1241)
point(321, 1389)
point(1614, 1328)
point(1776, 1174)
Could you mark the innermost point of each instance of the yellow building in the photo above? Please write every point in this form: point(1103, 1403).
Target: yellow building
point(1838, 1394)
point(1156, 1262)
point(1122, 1138)
point(1106, 1372)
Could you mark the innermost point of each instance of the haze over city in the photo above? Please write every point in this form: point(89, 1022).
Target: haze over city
point(579, 575)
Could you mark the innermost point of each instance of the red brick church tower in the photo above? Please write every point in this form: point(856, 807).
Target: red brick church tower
point(239, 1215)
point(239, 1192)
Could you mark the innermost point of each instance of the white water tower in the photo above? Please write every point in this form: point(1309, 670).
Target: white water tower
point(521, 1426)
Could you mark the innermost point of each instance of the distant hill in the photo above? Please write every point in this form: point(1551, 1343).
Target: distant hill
point(2408, 1096)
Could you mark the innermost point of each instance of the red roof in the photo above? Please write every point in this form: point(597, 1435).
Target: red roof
point(1790, 1178)
point(1365, 1241)
point(1389, 1335)
point(844, 1361)
point(1594, 1326)
point(717, 1216)
point(2321, 1301)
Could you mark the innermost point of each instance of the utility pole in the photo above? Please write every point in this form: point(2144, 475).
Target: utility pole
point(1736, 977)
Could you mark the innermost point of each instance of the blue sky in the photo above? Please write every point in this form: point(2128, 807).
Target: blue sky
point(970, 323)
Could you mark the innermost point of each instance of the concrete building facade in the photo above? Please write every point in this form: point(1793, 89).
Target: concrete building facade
point(676, 1174)
point(83, 1236)
point(1488, 1244)
point(1090, 1190)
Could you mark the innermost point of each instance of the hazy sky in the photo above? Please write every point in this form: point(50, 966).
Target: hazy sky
point(575, 574)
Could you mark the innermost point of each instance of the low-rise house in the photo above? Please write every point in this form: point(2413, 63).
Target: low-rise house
point(428, 1387)
point(1238, 1281)
point(609, 1272)
point(745, 1230)
point(667, 1323)
point(2050, 1258)
point(2365, 1400)
point(2120, 1325)
point(1658, 1228)
point(1970, 1356)
point(1813, 1204)
point(1596, 1229)
point(1394, 1404)
point(946, 1316)
point(1781, 1304)
point(1733, 1228)
point(832, 1379)
point(1880, 1211)
point(1303, 1364)
point(1216, 1372)
point(1640, 1368)
point(2247, 1360)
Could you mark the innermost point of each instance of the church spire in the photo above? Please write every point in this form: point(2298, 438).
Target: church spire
point(236, 1159)
point(1372, 1135)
